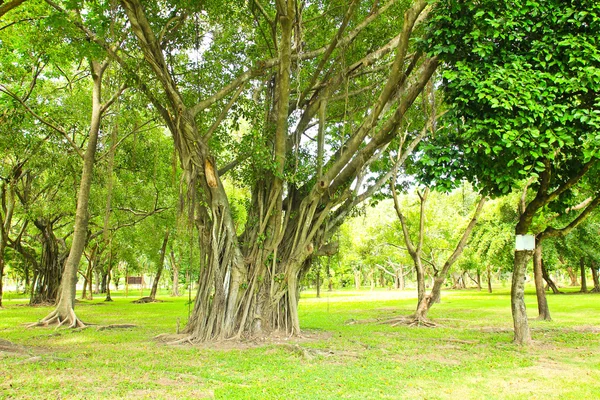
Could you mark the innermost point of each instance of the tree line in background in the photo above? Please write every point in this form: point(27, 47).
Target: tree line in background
point(138, 134)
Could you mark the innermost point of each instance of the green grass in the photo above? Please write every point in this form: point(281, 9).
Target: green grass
point(469, 356)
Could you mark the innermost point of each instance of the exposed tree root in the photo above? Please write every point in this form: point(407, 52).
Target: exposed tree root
point(53, 318)
point(145, 300)
point(411, 321)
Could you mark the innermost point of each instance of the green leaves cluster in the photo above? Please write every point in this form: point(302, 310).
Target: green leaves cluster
point(522, 83)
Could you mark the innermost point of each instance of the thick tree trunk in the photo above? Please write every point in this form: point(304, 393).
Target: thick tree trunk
point(517, 298)
point(161, 264)
point(47, 286)
point(583, 278)
point(543, 310)
point(65, 309)
point(175, 267)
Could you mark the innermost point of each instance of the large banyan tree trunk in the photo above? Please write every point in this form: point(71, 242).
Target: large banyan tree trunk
point(249, 285)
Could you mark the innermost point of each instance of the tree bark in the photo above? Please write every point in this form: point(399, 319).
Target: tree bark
point(65, 309)
point(161, 264)
point(175, 267)
point(517, 298)
point(543, 310)
point(572, 277)
point(434, 296)
point(548, 279)
point(318, 282)
point(583, 278)
point(489, 279)
point(594, 268)
point(46, 287)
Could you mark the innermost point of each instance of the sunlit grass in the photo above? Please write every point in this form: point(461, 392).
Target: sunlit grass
point(470, 355)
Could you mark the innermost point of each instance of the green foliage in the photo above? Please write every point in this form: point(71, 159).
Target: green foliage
point(522, 83)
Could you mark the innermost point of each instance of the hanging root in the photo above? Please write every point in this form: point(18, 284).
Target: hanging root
point(71, 321)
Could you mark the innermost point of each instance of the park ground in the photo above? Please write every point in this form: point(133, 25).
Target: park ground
point(345, 352)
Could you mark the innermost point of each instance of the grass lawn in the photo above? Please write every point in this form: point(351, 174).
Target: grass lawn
point(469, 356)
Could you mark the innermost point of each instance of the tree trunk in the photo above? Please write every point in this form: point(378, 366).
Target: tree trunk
point(357, 279)
point(489, 279)
point(108, 274)
point(572, 277)
point(97, 278)
point(517, 298)
point(583, 278)
point(594, 268)
point(318, 282)
point(548, 279)
point(161, 264)
point(65, 309)
point(175, 290)
point(543, 310)
point(478, 279)
point(434, 296)
point(47, 286)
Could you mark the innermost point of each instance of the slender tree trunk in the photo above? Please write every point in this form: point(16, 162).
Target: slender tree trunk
point(175, 267)
point(318, 282)
point(594, 268)
point(489, 279)
point(108, 273)
point(572, 277)
point(161, 264)
point(583, 278)
point(65, 309)
point(517, 298)
point(478, 279)
point(543, 310)
point(357, 279)
point(548, 279)
point(434, 296)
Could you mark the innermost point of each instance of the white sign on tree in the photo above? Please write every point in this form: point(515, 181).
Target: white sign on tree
point(525, 242)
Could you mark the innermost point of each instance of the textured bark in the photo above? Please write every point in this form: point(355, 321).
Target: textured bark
point(543, 310)
point(489, 279)
point(46, 285)
point(161, 263)
point(250, 285)
point(517, 298)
